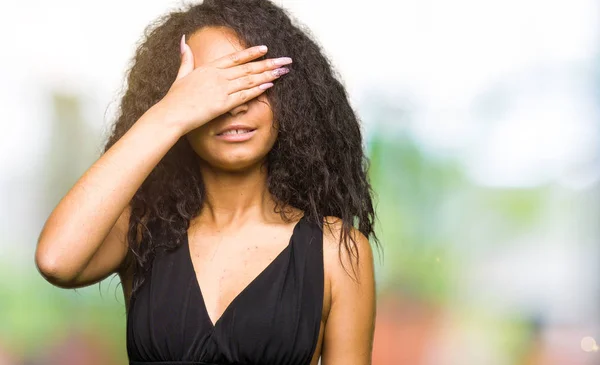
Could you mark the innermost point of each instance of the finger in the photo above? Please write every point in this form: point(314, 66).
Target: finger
point(256, 67)
point(243, 96)
point(250, 81)
point(187, 59)
point(239, 57)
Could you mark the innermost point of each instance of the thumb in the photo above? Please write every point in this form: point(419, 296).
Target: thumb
point(187, 59)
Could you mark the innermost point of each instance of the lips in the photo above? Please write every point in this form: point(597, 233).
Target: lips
point(235, 129)
point(236, 133)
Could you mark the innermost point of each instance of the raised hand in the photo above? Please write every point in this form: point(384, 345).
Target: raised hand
point(202, 94)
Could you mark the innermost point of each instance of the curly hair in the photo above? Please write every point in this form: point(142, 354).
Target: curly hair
point(317, 163)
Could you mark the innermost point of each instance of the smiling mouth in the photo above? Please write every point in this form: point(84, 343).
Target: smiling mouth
point(235, 132)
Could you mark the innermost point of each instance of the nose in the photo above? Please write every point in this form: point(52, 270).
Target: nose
point(238, 109)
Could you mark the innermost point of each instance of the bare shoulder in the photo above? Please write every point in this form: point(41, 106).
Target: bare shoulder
point(355, 254)
point(350, 282)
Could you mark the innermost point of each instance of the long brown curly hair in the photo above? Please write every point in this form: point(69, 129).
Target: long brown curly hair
point(317, 164)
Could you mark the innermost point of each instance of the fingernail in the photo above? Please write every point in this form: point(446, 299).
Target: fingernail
point(282, 61)
point(280, 71)
point(263, 48)
point(182, 44)
point(265, 86)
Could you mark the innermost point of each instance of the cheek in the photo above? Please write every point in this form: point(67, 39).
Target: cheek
point(197, 140)
point(272, 136)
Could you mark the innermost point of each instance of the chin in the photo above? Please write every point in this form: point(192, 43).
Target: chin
point(235, 163)
point(233, 157)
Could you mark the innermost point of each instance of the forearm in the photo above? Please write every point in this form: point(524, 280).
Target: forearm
point(83, 218)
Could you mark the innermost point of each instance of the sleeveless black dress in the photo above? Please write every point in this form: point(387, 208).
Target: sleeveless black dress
point(274, 320)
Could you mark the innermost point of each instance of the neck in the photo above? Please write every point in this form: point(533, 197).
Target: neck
point(234, 198)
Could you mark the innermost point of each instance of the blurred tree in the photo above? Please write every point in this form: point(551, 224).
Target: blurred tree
point(73, 147)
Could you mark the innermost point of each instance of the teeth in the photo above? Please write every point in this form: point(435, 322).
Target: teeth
point(236, 131)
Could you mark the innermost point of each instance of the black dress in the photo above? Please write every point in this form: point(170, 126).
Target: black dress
point(274, 320)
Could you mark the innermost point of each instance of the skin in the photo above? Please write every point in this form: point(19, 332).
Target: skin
point(238, 205)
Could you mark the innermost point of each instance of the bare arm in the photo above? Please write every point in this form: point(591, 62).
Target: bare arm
point(83, 239)
point(349, 331)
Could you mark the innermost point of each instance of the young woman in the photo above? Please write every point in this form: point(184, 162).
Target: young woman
point(227, 199)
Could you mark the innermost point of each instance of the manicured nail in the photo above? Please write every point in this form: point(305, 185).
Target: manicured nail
point(182, 44)
point(282, 61)
point(263, 48)
point(280, 71)
point(265, 86)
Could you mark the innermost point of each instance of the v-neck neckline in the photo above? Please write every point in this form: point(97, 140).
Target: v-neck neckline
point(246, 288)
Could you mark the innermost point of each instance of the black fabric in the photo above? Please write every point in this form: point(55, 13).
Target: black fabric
point(274, 320)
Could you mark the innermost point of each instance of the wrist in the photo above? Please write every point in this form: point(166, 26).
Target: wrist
point(160, 115)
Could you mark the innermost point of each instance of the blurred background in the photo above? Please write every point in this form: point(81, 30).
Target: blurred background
point(482, 124)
